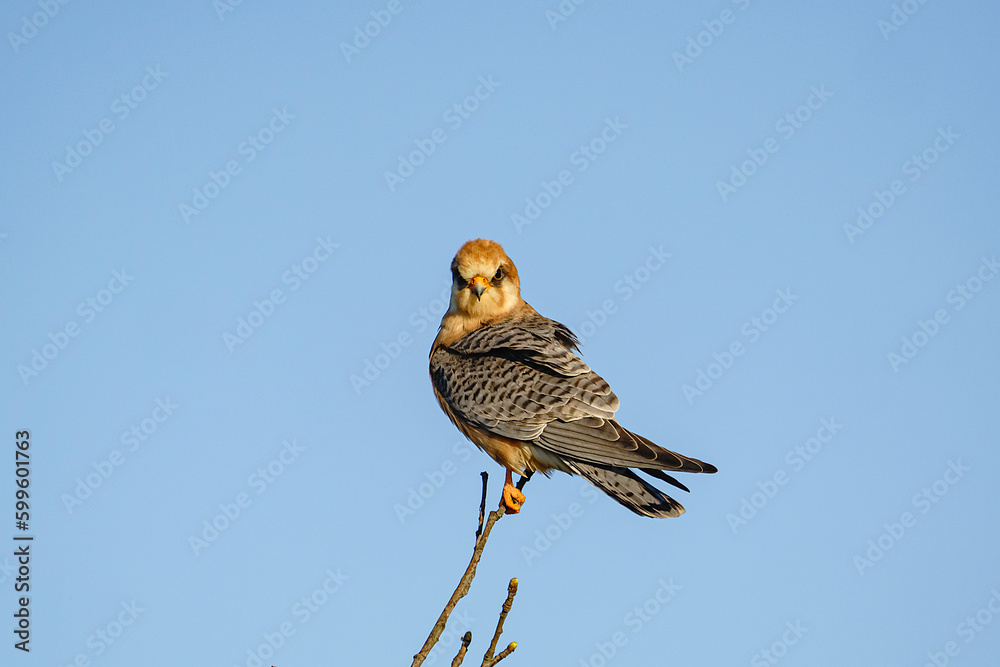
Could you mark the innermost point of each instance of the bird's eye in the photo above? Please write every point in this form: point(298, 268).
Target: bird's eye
point(456, 274)
point(499, 274)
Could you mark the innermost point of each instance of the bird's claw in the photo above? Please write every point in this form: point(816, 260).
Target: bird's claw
point(512, 498)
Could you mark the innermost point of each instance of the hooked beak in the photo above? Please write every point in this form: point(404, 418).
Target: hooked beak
point(478, 285)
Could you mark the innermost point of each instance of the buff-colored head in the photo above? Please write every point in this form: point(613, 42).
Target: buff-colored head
point(484, 285)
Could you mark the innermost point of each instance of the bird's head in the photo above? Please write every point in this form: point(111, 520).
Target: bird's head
point(484, 281)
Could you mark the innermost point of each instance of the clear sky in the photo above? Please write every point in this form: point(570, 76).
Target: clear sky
point(226, 236)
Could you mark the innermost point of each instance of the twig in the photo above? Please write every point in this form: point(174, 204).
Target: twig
point(511, 592)
point(465, 582)
point(460, 592)
point(466, 640)
point(524, 480)
point(482, 504)
point(503, 654)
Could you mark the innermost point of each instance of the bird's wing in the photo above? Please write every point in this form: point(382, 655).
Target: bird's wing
point(513, 388)
point(543, 341)
point(611, 444)
point(522, 380)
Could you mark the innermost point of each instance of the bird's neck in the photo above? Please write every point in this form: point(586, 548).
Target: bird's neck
point(454, 325)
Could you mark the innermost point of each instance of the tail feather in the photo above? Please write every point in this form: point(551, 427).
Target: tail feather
point(659, 474)
point(629, 489)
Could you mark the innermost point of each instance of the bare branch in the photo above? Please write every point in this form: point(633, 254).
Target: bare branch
point(503, 654)
point(466, 640)
point(511, 592)
point(482, 504)
point(524, 480)
point(465, 582)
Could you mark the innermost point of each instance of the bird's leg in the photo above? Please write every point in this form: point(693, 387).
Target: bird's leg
point(512, 497)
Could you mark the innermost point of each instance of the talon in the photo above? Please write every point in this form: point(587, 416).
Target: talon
point(512, 497)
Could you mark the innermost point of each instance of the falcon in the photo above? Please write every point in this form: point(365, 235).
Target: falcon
point(511, 381)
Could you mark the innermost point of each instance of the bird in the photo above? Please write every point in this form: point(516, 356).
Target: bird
point(512, 382)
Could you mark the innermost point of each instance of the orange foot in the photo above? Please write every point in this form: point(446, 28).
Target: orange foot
point(512, 498)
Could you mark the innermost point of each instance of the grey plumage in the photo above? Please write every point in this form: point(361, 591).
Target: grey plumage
point(522, 380)
point(630, 490)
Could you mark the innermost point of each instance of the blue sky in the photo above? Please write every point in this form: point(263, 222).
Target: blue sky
point(226, 239)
